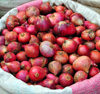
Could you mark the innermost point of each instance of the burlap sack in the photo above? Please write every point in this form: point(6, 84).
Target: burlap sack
point(10, 85)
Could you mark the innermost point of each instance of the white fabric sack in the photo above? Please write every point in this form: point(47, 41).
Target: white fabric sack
point(93, 3)
point(11, 85)
point(15, 86)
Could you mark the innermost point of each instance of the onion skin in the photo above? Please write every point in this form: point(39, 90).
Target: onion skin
point(80, 76)
point(82, 63)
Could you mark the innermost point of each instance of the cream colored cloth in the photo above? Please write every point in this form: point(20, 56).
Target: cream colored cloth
point(93, 4)
point(10, 85)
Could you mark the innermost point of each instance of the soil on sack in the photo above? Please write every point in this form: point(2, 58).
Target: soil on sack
point(51, 46)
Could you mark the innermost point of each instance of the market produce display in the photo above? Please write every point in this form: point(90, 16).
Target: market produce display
point(51, 46)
